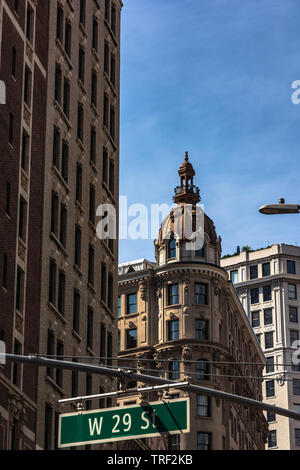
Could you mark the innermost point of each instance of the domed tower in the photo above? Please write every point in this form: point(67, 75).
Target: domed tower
point(174, 243)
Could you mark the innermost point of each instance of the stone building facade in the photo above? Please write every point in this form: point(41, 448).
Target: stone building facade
point(180, 318)
point(267, 283)
point(59, 138)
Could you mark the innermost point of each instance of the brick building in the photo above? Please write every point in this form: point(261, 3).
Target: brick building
point(59, 160)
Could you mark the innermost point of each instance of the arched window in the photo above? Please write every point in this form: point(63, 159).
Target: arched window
point(203, 370)
point(172, 249)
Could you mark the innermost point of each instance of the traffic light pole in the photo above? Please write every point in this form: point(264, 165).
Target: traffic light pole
point(129, 375)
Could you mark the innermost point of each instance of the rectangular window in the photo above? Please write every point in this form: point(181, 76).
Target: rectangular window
point(270, 388)
point(61, 292)
point(112, 122)
point(60, 24)
point(255, 319)
point(111, 176)
point(66, 104)
point(266, 269)
point(291, 267)
point(109, 349)
point(297, 437)
point(22, 219)
point(271, 417)
point(105, 110)
point(82, 12)
point(94, 89)
point(173, 330)
point(294, 336)
point(29, 23)
point(131, 303)
point(13, 62)
point(11, 129)
point(254, 295)
point(65, 161)
point(107, 10)
point(103, 343)
point(268, 316)
point(269, 364)
point(296, 387)
point(110, 292)
point(95, 34)
point(63, 225)
point(81, 64)
point(119, 306)
point(272, 439)
point(292, 291)
point(52, 282)
point(27, 86)
point(58, 84)
point(92, 205)
point(103, 282)
point(93, 145)
point(50, 351)
point(25, 151)
point(4, 271)
point(106, 58)
point(253, 272)
point(76, 310)
point(173, 294)
point(54, 214)
point(113, 69)
point(203, 406)
point(113, 19)
point(80, 122)
point(79, 183)
point(105, 166)
point(60, 357)
point(90, 328)
point(131, 336)
point(293, 314)
point(267, 293)
point(204, 441)
point(20, 290)
point(68, 38)
point(174, 442)
point(16, 375)
point(91, 271)
point(78, 246)
point(234, 276)
point(269, 340)
point(202, 329)
point(174, 370)
point(56, 147)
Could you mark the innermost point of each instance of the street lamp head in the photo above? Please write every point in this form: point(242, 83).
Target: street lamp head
point(280, 208)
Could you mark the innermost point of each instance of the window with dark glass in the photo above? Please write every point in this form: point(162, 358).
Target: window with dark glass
point(174, 442)
point(27, 86)
point(112, 122)
point(22, 218)
point(271, 417)
point(109, 348)
point(113, 69)
point(294, 336)
point(66, 103)
point(110, 295)
point(54, 213)
point(103, 282)
point(201, 294)
point(272, 439)
point(253, 272)
point(119, 306)
point(203, 370)
point(234, 276)
point(7, 199)
point(52, 282)
point(131, 336)
point(296, 387)
point(292, 291)
point(68, 38)
point(77, 246)
point(203, 406)
point(91, 270)
point(297, 437)
point(80, 122)
point(204, 441)
point(95, 34)
point(103, 343)
point(13, 62)
point(90, 328)
point(267, 293)
point(56, 147)
point(293, 314)
point(255, 316)
point(106, 57)
point(172, 249)
point(65, 161)
point(79, 183)
point(82, 12)
point(254, 295)
point(105, 166)
point(113, 19)
point(202, 329)
point(50, 351)
point(291, 267)
point(131, 303)
point(270, 364)
point(61, 292)
point(29, 23)
point(76, 310)
point(4, 271)
point(107, 10)
point(60, 357)
point(25, 151)
point(81, 64)
point(93, 145)
point(270, 388)
point(20, 290)
point(173, 294)
point(111, 176)
point(269, 340)
point(58, 84)
point(105, 110)
point(268, 316)
point(63, 225)
point(119, 340)
point(173, 330)
point(266, 269)
point(200, 253)
point(11, 129)
point(174, 372)
point(60, 23)
point(92, 206)
point(94, 89)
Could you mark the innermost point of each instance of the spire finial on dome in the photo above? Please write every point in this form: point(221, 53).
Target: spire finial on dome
point(186, 156)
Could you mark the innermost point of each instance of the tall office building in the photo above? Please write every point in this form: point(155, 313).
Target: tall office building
point(267, 282)
point(181, 319)
point(59, 160)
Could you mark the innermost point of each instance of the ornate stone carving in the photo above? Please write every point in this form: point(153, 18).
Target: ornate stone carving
point(186, 353)
point(143, 290)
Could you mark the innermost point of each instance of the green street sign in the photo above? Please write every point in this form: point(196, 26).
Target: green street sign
point(123, 423)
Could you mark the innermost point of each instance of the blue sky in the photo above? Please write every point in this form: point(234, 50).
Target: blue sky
point(212, 77)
